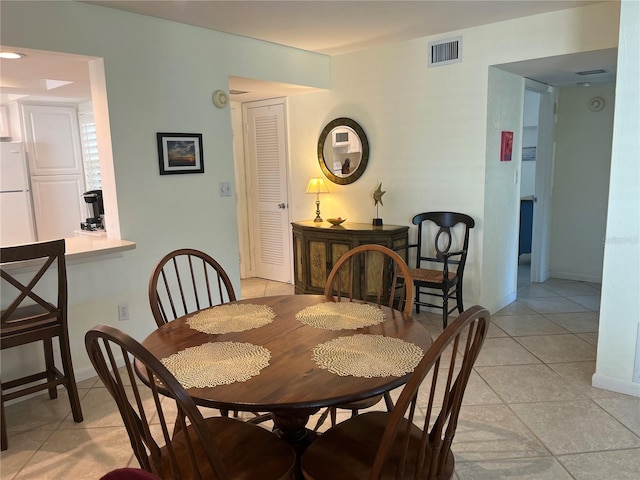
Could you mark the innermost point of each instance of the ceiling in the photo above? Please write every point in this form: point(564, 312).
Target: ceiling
point(328, 27)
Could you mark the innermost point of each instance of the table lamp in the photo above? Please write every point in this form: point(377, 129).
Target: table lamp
point(317, 186)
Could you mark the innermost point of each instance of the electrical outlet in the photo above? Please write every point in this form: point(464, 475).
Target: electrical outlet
point(123, 312)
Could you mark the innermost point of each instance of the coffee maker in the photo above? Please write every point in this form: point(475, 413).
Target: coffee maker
point(95, 221)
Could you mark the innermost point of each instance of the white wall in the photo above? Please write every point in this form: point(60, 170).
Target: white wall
point(620, 304)
point(581, 183)
point(502, 193)
point(159, 77)
point(427, 129)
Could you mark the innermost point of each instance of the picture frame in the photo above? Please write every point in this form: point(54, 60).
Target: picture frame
point(180, 153)
point(506, 146)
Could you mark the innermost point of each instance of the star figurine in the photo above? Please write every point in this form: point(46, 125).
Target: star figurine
point(377, 195)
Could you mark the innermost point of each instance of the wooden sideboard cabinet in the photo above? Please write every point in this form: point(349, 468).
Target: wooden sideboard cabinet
point(317, 246)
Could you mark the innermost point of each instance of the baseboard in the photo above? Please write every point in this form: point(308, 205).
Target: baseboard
point(502, 302)
point(615, 385)
point(578, 277)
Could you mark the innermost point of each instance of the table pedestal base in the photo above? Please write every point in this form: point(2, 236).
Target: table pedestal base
point(291, 427)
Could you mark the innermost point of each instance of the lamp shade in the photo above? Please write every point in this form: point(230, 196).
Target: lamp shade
point(317, 185)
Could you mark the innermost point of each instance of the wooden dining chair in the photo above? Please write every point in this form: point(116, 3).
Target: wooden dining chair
point(369, 273)
point(217, 448)
point(441, 255)
point(37, 312)
point(414, 440)
point(186, 281)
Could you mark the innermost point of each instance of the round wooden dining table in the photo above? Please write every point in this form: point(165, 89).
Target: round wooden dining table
point(292, 386)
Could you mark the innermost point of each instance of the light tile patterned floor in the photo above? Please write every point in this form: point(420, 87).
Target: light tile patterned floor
point(529, 412)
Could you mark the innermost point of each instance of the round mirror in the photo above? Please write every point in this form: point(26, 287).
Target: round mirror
point(343, 151)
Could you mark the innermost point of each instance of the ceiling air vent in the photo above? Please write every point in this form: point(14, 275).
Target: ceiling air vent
point(445, 52)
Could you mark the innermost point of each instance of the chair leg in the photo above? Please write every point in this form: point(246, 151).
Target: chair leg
point(72, 388)
point(445, 308)
point(322, 418)
point(4, 444)
point(417, 304)
point(388, 402)
point(334, 415)
point(50, 366)
point(459, 298)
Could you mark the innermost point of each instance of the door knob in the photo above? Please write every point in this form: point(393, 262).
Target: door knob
point(282, 206)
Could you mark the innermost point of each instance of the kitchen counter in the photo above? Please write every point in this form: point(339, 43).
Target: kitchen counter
point(83, 249)
point(88, 246)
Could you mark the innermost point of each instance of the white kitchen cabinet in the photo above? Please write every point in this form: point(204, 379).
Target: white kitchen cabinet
point(58, 205)
point(52, 137)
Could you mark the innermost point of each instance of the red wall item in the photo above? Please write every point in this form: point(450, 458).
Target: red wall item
point(506, 147)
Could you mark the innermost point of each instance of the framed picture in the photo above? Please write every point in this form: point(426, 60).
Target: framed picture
point(180, 153)
point(506, 146)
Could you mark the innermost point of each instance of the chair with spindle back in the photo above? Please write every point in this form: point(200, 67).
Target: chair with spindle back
point(369, 273)
point(186, 281)
point(413, 440)
point(217, 448)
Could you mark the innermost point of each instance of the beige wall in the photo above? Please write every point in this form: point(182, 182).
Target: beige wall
point(581, 183)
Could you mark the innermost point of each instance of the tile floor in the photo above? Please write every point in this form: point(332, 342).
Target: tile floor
point(529, 411)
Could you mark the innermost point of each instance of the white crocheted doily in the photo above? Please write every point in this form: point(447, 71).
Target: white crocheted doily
point(219, 363)
point(341, 315)
point(231, 317)
point(368, 356)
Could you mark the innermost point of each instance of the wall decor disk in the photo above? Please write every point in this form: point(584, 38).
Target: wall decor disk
point(343, 151)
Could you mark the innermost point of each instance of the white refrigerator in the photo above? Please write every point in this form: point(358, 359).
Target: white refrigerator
point(16, 210)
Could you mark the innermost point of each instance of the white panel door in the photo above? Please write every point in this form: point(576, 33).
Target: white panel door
point(53, 140)
point(268, 190)
point(58, 205)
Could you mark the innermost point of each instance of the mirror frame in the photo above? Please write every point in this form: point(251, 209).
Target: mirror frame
point(357, 173)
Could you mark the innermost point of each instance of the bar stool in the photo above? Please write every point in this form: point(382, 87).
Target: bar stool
point(30, 318)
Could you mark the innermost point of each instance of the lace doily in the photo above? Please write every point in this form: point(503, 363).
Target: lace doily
point(233, 317)
point(340, 315)
point(368, 356)
point(219, 363)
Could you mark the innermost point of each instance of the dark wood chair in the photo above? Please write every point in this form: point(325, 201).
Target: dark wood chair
point(38, 313)
point(369, 273)
point(403, 444)
point(441, 255)
point(213, 448)
point(185, 281)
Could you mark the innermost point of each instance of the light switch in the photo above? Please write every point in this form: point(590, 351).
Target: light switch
point(225, 189)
